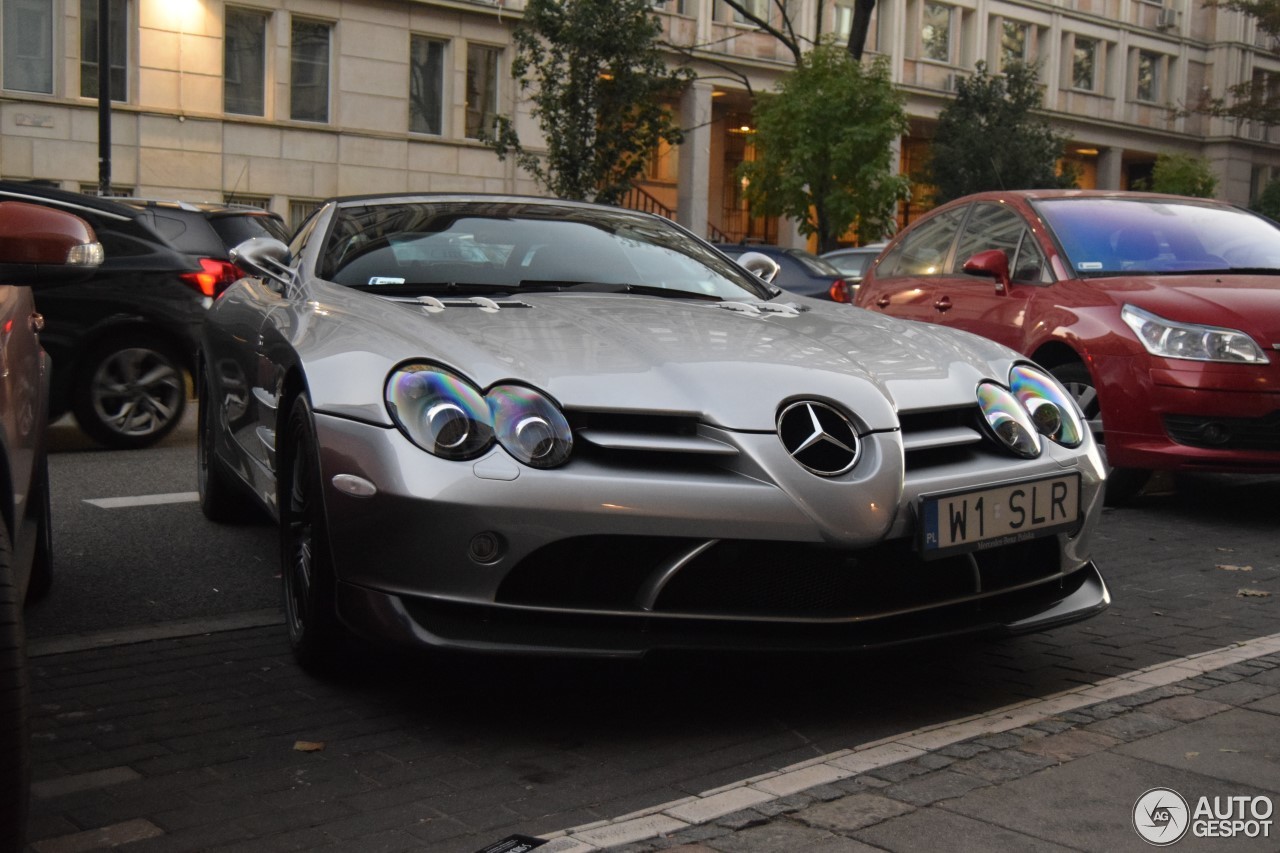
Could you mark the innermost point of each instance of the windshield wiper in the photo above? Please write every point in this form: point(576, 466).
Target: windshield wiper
point(545, 286)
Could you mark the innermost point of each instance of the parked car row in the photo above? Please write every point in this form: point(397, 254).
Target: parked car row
point(123, 342)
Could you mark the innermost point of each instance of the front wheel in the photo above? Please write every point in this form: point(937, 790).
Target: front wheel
point(15, 741)
point(130, 393)
point(318, 639)
point(1123, 484)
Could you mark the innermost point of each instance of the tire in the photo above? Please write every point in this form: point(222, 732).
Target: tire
point(319, 641)
point(1123, 484)
point(130, 393)
point(15, 734)
point(42, 563)
point(221, 500)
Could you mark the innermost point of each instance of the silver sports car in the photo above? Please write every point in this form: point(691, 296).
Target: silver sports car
point(531, 425)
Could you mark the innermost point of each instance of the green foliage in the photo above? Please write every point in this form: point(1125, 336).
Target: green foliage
point(1268, 201)
point(990, 137)
point(599, 98)
point(824, 147)
point(1180, 174)
point(1256, 99)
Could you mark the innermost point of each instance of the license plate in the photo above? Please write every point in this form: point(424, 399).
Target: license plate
point(999, 515)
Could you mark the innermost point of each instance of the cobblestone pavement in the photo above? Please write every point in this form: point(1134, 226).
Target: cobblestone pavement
point(218, 742)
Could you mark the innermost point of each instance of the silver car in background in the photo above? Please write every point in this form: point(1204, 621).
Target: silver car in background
point(517, 424)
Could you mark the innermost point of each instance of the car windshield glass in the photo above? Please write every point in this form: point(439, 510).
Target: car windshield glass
point(402, 247)
point(1105, 236)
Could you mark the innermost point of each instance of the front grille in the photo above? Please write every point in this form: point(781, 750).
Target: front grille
point(768, 580)
point(938, 437)
point(1225, 433)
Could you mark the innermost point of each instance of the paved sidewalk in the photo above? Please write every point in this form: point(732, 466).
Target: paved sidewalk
point(1058, 774)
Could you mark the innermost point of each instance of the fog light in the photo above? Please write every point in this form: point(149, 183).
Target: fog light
point(1215, 433)
point(485, 547)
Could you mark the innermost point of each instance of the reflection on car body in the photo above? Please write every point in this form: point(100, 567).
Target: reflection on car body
point(519, 424)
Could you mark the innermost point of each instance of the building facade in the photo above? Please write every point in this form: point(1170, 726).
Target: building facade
point(284, 102)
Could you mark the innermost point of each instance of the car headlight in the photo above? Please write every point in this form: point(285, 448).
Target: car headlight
point(447, 416)
point(439, 411)
point(1053, 412)
point(1008, 420)
point(529, 426)
point(1168, 339)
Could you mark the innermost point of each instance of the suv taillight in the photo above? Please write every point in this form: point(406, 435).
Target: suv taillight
point(840, 291)
point(213, 278)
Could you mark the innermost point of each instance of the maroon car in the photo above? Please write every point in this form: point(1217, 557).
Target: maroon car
point(1160, 313)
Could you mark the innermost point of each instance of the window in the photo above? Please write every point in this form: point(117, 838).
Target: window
point(1147, 76)
point(300, 209)
point(119, 46)
point(844, 21)
point(924, 251)
point(309, 71)
point(426, 85)
point(1084, 62)
point(759, 8)
point(482, 89)
point(244, 62)
point(1013, 42)
point(935, 32)
point(991, 226)
point(28, 45)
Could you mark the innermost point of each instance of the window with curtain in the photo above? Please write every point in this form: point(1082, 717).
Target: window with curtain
point(28, 45)
point(426, 84)
point(244, 62)
point(482, 89)
point(118, 43)
point(309, 70)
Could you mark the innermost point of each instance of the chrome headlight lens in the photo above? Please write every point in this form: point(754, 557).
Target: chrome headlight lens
point(439, 411)
point(1008, 420)
point(529, 426)
point(447, 416)
point(1168, 339)
point(1053, 412)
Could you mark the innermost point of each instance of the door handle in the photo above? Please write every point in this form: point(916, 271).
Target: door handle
point(36, 321)
point(882, 302)
point(943, 303)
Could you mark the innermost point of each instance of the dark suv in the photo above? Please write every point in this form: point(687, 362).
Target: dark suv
point(122, 343)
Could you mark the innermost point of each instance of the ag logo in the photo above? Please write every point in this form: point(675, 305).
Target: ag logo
point(1161, 816)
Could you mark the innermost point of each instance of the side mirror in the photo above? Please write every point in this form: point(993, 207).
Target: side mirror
point(760, 264)
point(42, 245)
point(993, 263)
point(264, 257)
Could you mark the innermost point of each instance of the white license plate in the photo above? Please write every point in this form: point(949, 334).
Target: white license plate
point(1000, 515)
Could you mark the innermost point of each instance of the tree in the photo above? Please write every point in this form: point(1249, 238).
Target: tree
point(1180, 174)
point(1268, 201)
point(601, 90)
point(991, 138)
point(1256, 99)
point(824, 147)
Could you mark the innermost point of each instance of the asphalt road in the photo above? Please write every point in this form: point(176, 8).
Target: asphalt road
point(135, 565)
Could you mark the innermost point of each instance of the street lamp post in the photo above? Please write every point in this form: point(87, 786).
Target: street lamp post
point(104, 97)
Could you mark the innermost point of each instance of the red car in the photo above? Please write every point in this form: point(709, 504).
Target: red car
point(1160, 313)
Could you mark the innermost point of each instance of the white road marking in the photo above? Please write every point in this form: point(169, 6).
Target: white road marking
point(144, 500)
point(709, 805)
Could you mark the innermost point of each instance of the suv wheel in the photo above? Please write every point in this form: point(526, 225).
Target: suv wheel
point(130, 393)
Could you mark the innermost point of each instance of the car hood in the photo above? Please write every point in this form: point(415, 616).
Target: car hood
point(727, 365)
point(1249, 303)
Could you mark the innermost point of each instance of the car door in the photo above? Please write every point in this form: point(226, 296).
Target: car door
point(905, 283)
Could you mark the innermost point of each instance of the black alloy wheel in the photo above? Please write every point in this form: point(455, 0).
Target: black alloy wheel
point(15, 732)
point(130, 393)
point(317, 637)
point(220, 498)
point(1123, 484)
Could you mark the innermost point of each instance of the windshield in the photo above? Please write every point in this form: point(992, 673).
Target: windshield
point(483, 247)
point(1132, 236)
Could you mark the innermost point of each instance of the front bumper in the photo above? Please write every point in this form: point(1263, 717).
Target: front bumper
point(618, 556)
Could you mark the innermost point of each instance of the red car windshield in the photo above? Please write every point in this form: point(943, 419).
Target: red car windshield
point(1107, 236)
